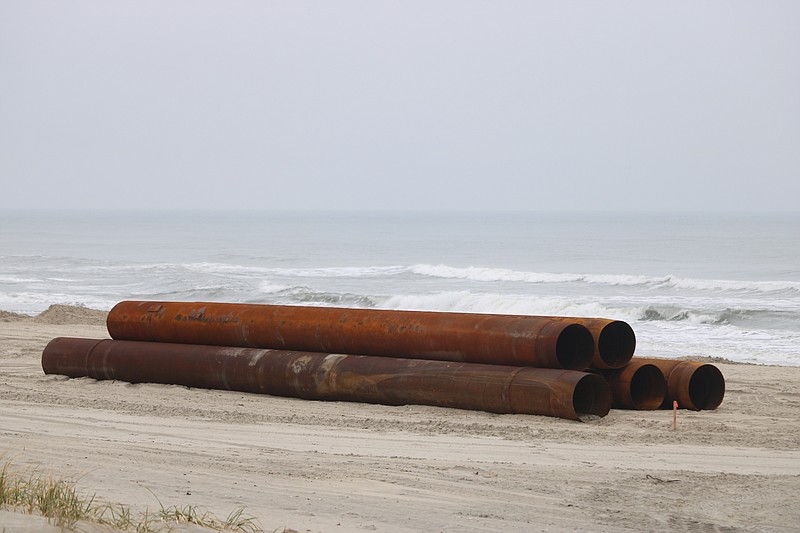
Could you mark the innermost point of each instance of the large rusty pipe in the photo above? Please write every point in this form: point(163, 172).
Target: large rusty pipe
point(614, 341)
point(318, 376)
point(544, 342)
point(636, 386)
point(695, 386)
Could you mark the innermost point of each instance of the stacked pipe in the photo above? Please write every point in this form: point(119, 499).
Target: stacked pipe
point(498, 363)
point(695, 386)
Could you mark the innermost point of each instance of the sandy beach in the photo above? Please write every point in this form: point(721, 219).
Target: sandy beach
point(334, 466)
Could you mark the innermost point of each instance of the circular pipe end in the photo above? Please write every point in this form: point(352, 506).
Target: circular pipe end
point(615, 345)
point(575, 347)
point(706, 387)
point(648, 387)
point(592, 396)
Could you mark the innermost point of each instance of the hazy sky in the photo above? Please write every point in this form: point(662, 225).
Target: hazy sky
point(456, 105)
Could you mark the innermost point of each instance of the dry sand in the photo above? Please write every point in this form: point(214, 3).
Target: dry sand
point(334, 466)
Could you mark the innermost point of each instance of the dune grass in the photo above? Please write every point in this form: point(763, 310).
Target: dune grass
point(65, 506)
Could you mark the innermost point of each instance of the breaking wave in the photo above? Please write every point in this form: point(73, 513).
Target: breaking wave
point(482, 274)
point(440, 271)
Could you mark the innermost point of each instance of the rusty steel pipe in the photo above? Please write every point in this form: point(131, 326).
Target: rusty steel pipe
point(695, 386)
point(636, 386)
point(545, 342)
point(614, 341)
point(318, 376)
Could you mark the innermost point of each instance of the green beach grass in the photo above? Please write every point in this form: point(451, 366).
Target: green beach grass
point(64, 506)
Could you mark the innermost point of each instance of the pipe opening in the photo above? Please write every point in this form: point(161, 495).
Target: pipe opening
point(706, 387)
point(592, 396)
point(616, 344)
point(648, 387)
point(575, 347)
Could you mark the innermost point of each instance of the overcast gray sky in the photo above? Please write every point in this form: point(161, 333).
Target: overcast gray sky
point(459, 105)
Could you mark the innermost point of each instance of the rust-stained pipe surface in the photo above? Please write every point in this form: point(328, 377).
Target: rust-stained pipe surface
point(636, 386)
point(317, 376)
point(544, 342)
point(695, 386)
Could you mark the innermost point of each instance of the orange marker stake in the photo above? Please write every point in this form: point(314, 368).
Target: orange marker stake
point(674, 416)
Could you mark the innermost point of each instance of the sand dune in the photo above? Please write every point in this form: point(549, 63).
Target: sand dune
point(334, 466)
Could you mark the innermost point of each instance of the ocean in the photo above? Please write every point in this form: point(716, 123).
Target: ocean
point(717, 285)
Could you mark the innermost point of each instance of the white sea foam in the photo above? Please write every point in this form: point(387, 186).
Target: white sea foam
point(670, 339)
point(469, 302)
point(669, 281)
point(490, 274)
point(334, 272)
point(341, 272)
point(266, 287)
point(33, 303)
point(441, 271)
